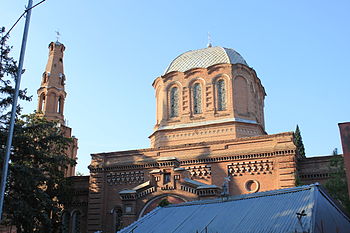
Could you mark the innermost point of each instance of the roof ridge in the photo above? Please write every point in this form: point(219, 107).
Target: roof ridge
point(248, 196)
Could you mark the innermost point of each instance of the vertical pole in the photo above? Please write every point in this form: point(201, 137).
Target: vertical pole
point(14, 107)
point(344, 129)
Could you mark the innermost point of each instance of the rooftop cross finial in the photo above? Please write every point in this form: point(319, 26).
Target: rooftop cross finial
point(58, 35)
point(209, 41)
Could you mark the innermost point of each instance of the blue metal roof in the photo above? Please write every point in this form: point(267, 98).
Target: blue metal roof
point(273, 211)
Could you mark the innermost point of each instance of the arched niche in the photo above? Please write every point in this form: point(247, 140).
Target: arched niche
point(240, 95)
point(154, 203)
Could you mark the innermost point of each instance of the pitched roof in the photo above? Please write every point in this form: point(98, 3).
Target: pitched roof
point(272, 211)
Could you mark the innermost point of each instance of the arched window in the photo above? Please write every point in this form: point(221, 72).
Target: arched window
point(59, 105)
point(174, 102)
point(221, 95)
point(76, 221)
point(117, 218)
point(42, 103)
point(65, 222)
point(197, 98)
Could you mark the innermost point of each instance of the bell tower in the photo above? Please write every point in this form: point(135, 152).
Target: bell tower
point(51, 97)
point(51, 93)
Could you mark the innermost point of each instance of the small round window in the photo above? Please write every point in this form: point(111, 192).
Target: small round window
point(252, 186)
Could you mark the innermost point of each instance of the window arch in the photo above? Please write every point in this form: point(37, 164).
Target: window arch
point(197, 98)
point(221, 94)
point(76, 217)
point(174, 102)
point(65, 222)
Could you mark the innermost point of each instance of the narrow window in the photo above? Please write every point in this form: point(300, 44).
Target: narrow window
point(42, 103)
point(59, 105)
point(174, 102)
point(197, 99)
point(65, 222)
point(117, 218)
point(76, 222)
point(221, 95)
point(167, 178)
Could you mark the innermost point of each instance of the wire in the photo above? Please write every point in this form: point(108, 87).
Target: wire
point(25, 11)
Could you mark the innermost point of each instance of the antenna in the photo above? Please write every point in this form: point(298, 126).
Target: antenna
point(209, 45)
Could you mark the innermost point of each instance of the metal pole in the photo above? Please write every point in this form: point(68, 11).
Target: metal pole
point(14, 107)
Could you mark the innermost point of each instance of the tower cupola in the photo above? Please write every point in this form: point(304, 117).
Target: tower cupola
point(51, 93)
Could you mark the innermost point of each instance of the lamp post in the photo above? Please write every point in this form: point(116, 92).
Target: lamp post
point(14, 106)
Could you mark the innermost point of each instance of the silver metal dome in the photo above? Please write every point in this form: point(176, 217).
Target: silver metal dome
point(203, 58)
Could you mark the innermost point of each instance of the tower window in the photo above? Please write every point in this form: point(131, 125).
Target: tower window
point(221, 95)
point(174, 102)
point(197, 98)
point(60, 105)
point(41, 103)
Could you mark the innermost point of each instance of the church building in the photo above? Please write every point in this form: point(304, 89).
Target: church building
point(209, 140)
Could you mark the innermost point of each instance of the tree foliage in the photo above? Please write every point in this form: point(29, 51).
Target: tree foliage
point(8, 73)
point(298, 141)
point(337, 184)
point(164, 202)
point(36, 186)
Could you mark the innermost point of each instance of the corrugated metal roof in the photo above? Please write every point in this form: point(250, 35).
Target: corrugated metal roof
point(203, 58)
point(273, 211)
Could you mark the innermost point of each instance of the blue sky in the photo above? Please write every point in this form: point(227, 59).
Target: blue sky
point(115, 49)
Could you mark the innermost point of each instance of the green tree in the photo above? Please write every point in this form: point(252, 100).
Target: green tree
point(8, 72)
point(37, 188)
point(298, 141)
point(164, 202)
point(337, 184)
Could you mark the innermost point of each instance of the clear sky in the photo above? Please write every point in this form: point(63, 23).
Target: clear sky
point(115, 49)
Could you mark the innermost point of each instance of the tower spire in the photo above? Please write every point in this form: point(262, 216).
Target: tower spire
point(209, 41)
point(58, 34)
point(51, 94)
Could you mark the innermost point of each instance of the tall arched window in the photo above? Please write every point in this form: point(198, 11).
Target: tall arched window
point(76, 222)
point(117, 218)
point(221, 95)
point(197, 98)
point(60, 105)
point(174, 102)
point(41, 103)
point(65, 222)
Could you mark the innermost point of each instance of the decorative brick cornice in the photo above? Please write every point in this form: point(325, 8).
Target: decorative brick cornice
point(183, 146)
point(194, 161)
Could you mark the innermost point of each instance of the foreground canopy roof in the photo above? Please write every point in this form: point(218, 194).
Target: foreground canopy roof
point(300, 209)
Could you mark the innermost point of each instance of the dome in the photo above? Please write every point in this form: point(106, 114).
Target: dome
point(203, 58)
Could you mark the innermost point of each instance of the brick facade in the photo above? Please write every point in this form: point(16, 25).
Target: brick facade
point(209, 140)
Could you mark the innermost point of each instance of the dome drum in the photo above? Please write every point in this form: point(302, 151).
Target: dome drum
point(210, 89)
